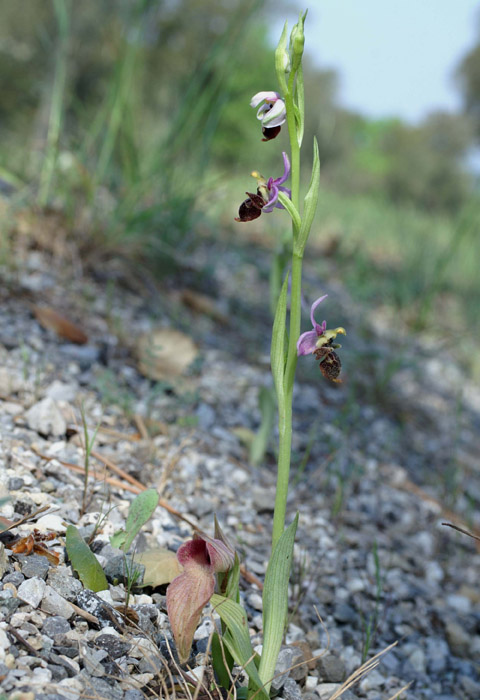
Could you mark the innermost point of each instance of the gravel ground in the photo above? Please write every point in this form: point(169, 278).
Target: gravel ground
point(379, 463)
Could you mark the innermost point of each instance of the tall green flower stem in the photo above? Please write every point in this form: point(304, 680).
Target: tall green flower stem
point(289, 63)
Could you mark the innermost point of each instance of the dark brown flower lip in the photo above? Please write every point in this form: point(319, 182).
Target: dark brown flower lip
point(270, 132)
point(251, 208)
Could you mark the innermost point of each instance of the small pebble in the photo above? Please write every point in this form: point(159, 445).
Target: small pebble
point(31, 591)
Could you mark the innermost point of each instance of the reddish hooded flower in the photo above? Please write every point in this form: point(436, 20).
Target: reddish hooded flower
point(272, 113)
point(319, 342)
point(266, 198)
point(201, 558)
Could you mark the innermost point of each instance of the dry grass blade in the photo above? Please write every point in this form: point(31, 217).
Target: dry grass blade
point(119, 435)
point(171, 464)
point(250, 577)
point(200, 684)
point(9, 525)
point(362, 671)
point(118, 470)
point(62, 326)
point(398, 692)
point(95, 475)
point(142, 428)
point(179, 671)
point(411, 487)
point(462, 530)
point(83, 613)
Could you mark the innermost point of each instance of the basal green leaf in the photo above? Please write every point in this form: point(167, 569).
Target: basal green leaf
point(84, 561)
point(141, 510)
point(222, 662)
point(275, 601)
point(237, 638)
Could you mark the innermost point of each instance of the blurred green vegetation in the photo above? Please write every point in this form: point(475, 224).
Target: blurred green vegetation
point(132, 117)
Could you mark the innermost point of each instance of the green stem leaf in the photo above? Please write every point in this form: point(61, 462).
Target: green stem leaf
point(275, 602)
point(277, 351)
point(310, 203)
point(292, 210)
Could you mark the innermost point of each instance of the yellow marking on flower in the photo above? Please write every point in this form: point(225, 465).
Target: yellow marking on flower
point(329, 335)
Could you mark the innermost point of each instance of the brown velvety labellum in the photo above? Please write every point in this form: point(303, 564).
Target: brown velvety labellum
point(330, 364)
point(270, 132)
point(251, 208)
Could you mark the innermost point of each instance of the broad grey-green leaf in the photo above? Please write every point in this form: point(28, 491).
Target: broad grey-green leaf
point(141, 510)
point(84, 561)
point(310, 203)
point(275, 602)
point(237, 637)
point(277, 352)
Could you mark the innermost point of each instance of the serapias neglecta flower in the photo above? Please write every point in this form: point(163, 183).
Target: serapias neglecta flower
point(202, 558)
point(319, 342)
point(266, 197)
point(272, 113)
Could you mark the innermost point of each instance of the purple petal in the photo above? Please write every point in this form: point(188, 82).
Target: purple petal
point(286, 170)
point(272, 201)
point(307, 342)
point(268, 96)
point(312, 310)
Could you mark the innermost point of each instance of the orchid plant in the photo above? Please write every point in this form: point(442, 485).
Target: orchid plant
point(205, 559)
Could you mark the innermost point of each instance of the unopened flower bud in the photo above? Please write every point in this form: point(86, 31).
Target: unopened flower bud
point(297, 41)
point(282, 59)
